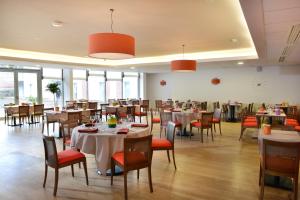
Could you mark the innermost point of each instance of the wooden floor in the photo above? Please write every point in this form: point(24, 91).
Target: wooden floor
point(223, 169)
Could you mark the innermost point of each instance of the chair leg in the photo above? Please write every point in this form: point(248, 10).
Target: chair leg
point(262, 185)
point(138, 174)
point(201, 135)
point(168, 156)
point(125, 186)
point(215, 127)
point(212, 134)
point(242, 131)
point(85, 172)
point(220, 128)
point(173, 153)
point(151, 127)
point(45, 177)
point(160, 131)
point(150, 178)
point(295, 188)
point(112, 171)
point(43, 127)
point(55, 182)
point(259, 179)
point(72, 170)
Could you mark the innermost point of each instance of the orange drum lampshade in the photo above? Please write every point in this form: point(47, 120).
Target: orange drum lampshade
point(111, 46)
point(215, 81)
point(183, 65)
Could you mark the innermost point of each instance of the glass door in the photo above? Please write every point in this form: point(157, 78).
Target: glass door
point(27, 87)
point(7, 94)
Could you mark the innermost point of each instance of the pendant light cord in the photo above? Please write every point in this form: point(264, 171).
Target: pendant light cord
point(183, 51)
point(111, 19)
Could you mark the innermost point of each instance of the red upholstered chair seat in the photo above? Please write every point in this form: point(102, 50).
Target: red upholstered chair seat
point(291, 122)
point(196, 124)
point(216, 120)
point(297, 128)
point(123, 115)
point(177, 124)
point(250, 120)
point(251, 117)
point(155, 120)
point(161, 143)
point(69, 155)
point(132, 159)
point(68, 142)
point(250, 124)
point(140, 113)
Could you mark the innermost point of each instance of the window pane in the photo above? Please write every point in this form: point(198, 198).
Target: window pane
point(79, 73)
point(114, 75)
point(92, 72)
point(131, 73)
point(27, 83)
point(6, 90)
point(130, 87)
point(96, 88)
point(52, 73)
point(48, 98)
point(141, 85)
point(79, 89)
point(113, 89)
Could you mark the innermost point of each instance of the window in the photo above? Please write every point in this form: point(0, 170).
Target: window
point(130, 85)
point(27, 85)
point(6, 90)
point(96, 85)
point(51, 75)
point(114, 85)
point(79, 84)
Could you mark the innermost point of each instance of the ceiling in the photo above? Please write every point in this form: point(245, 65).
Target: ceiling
point(206, 27)
point(159, 27)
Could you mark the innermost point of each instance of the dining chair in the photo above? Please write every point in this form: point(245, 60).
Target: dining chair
point(166, 144)
point(142, 112)
point(122, 112)
point(216, 105)
point(279, 159)
point(110, 110)
point(225, 111)
point(217, 119)
point(66, 128)
point(94, 112)
point(61, 159)
point(154, 120)
point(203, 105)
point(38, 112)
point(137, 154)
point(23, 113)
point(205, 122)
point(165, 118)
point(158, 105)
point(247, 121)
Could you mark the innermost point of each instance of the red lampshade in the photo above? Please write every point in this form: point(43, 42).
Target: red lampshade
point(215, 81)
point(183, 65)
point(111, 46)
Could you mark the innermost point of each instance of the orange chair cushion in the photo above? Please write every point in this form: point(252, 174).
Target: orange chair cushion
point(250, 124)
point(196, 124)
point(291, 122)
point(123, 115)
point(68, 141)
point(161, 144)
point(216, 120)
point(177, 124)
point(140, 113)
point(132, 159)
point(251, 117)
point(69, 155)
point(155, 120)
point(249, 120)
point(297, 128)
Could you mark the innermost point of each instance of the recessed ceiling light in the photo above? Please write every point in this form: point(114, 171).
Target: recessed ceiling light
point(132, 67)
point(234, 40)
point(240, 63)
point(57, 23)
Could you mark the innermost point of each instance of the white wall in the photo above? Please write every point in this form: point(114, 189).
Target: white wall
point(238, 83)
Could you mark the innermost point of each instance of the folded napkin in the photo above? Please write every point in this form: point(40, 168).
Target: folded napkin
point(123, 131)
point(88, 130)
point(139, 125)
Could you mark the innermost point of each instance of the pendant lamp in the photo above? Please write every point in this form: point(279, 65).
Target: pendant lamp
point(183, 65)
point(112, 45)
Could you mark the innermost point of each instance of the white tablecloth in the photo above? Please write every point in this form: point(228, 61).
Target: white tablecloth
point(104, 143)
point(185, 117)
point(278, 135)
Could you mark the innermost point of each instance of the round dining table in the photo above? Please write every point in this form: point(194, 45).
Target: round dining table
point(105, 142)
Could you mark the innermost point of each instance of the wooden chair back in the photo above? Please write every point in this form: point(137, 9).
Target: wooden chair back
point(171, 132)
point(206, 119)
point(121, 111)
point(23, 111)
point(216, 105)
point(93, 105)
point(135, 102)
point(50, 151)
point(203, 105)
point(165, 118)
point(141, 145)
point(145, 103)
point(292, 112)
point(38, 109)
point(158, 104)
point(111, 110)
point(75, 116)
point(281, 158)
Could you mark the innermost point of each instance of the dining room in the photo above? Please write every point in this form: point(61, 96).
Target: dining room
point(194, 99)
